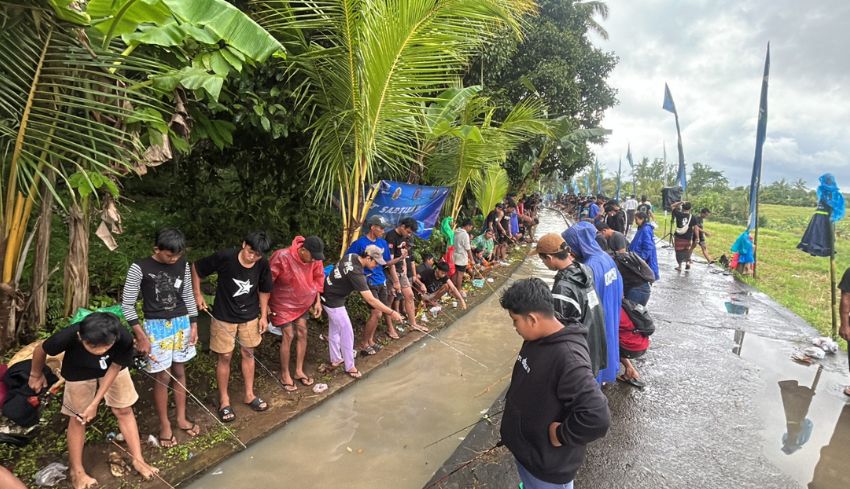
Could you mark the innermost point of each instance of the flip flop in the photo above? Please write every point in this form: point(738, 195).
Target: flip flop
point(258, 404)
point(168, 442)
point(305, 381)
point(226, 414)
point(368, 351)
point(289, 387)
point(396, 337)
point(354, 374)
point(191, 431)
point(325, 368)
point(632, 382)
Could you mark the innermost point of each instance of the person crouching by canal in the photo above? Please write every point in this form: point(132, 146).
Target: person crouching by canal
point(346, 277)
point(241, 297)
point(298, 278)
point(169, 332)
point(553, 407)
point(97, 351)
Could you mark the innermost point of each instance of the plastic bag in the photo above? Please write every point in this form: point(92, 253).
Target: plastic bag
point(50, 475)
point(83, 312)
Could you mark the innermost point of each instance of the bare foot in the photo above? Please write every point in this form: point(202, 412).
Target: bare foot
point(146, 471)
point(81, 480)
point(418, 327)
point(393, 334)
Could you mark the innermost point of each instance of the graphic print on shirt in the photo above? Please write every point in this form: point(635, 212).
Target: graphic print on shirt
point(244, 287)
point(524, 363)
point(166, 289)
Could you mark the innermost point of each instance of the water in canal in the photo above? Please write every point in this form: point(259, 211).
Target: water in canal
point(375, 433)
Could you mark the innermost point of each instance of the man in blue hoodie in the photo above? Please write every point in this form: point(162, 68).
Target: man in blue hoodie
point(553, 407)
point(581, 239)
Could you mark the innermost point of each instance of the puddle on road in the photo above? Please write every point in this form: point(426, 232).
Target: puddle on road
point(806, 417)
point(374, 433)
point(736, 308)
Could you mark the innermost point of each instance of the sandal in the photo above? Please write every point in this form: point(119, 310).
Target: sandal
point(325, 368)
point(226, 414)
point(368, 351)
point(191, 431)
point(396, 337)
point(258, 404)
point(632, 382)
point(291, 387)
point(354, 374)
point(168, 442)
point(305, 381)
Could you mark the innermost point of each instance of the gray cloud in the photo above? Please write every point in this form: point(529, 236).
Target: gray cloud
point(711, 52)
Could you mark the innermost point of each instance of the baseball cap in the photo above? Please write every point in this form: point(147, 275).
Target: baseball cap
point(376, 253)
point(315, 246)
point(377, 220)
point(550, 244)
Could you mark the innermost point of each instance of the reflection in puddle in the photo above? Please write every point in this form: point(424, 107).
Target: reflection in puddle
point(796, 400)
point(736, 308)
point(815, 429)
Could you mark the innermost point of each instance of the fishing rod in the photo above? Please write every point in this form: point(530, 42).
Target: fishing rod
point(111, 439)
point(486, 417)
point(193, 396)
point(254, 357)
point(464, 465)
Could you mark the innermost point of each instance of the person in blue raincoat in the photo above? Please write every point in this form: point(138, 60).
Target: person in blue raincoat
point(581, 238)
point(643, 244)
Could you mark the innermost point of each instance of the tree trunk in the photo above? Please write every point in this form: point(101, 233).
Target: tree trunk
point(77, 263)
point(41, 262)
point(8, 316)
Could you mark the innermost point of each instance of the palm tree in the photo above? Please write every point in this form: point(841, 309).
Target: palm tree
point(372, 64)
point(490, 186)
point(77, 108)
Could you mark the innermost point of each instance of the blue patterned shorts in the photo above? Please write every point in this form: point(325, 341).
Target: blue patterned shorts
point(169, 342)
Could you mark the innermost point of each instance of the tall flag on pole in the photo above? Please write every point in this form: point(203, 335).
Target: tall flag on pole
point(632, 166)
point(761, 133)
point(619, 172)
point(598, 178)
point(670, 106)
point(575, 187)
point(587, 184)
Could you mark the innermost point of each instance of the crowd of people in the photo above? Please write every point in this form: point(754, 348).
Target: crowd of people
point(257, 289)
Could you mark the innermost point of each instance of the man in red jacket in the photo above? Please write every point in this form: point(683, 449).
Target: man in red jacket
point(298, 278)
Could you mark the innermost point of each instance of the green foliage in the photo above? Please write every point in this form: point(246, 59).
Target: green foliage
point(703, 178)
point(489, 187)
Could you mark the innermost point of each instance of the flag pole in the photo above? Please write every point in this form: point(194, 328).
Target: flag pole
point(756, 238)
point(832, 280)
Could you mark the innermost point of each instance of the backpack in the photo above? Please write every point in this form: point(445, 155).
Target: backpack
point(632, 262)
point(640, 317)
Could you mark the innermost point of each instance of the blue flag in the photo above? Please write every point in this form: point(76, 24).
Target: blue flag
point(598, 178)
point(670, 106)
point(396, 201)
point(619, 172)
point(761, 134)
point(632, 166)
point(587, 183)
point(575, 187)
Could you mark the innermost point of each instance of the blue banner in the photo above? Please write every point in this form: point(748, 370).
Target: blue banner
point(761, 134)
point(670, 106)
point(632, 166)
point(598, 179)
point(619, 172)
point(395, 201)
point(587, 185)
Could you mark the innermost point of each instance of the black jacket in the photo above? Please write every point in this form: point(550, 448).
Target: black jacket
point(575, 297)
point(617, 222)
point(552, 382)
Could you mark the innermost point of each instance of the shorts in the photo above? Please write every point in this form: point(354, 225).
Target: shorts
point(381, 293)
point(631, 355)
point(223, 335)
point(80, 393)
point(290, 323)
point(460, 268)
point(404, 281)
point(169, 342)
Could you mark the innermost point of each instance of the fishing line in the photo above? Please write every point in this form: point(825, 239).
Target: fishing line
point(253, 356)
point(194, 398)
point(112, 440)
point(486, 417)
point(463, 466)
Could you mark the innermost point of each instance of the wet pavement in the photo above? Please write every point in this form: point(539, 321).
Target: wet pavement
point(725, 405)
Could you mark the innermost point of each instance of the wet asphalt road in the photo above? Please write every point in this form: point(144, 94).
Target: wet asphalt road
point(725, 406)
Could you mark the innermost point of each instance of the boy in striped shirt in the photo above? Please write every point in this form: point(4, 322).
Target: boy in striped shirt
point(168, 335)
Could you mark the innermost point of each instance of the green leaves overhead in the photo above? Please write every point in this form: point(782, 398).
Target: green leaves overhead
point(490, 186)
point(172, 22)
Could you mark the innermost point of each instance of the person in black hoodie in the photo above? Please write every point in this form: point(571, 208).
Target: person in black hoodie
point(574, 295)
point(553, 407)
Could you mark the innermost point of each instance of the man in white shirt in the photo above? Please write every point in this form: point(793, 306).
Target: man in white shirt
point(462, 253)
point(630, 206)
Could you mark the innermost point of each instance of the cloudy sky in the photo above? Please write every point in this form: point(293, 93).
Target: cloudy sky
point(711, 53)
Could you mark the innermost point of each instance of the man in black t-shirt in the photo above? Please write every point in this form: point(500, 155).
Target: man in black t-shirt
point(97, 351)
point(399, 242)
point(683, 234)
point(700, 234)
point(241, 296)
point(434, 283)
point(347, 277)
point(844, 311)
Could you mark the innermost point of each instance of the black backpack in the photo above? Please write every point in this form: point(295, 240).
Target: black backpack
point(631, 262)
point(644, 325)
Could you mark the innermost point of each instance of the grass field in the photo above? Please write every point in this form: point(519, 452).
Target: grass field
point(791, 277)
